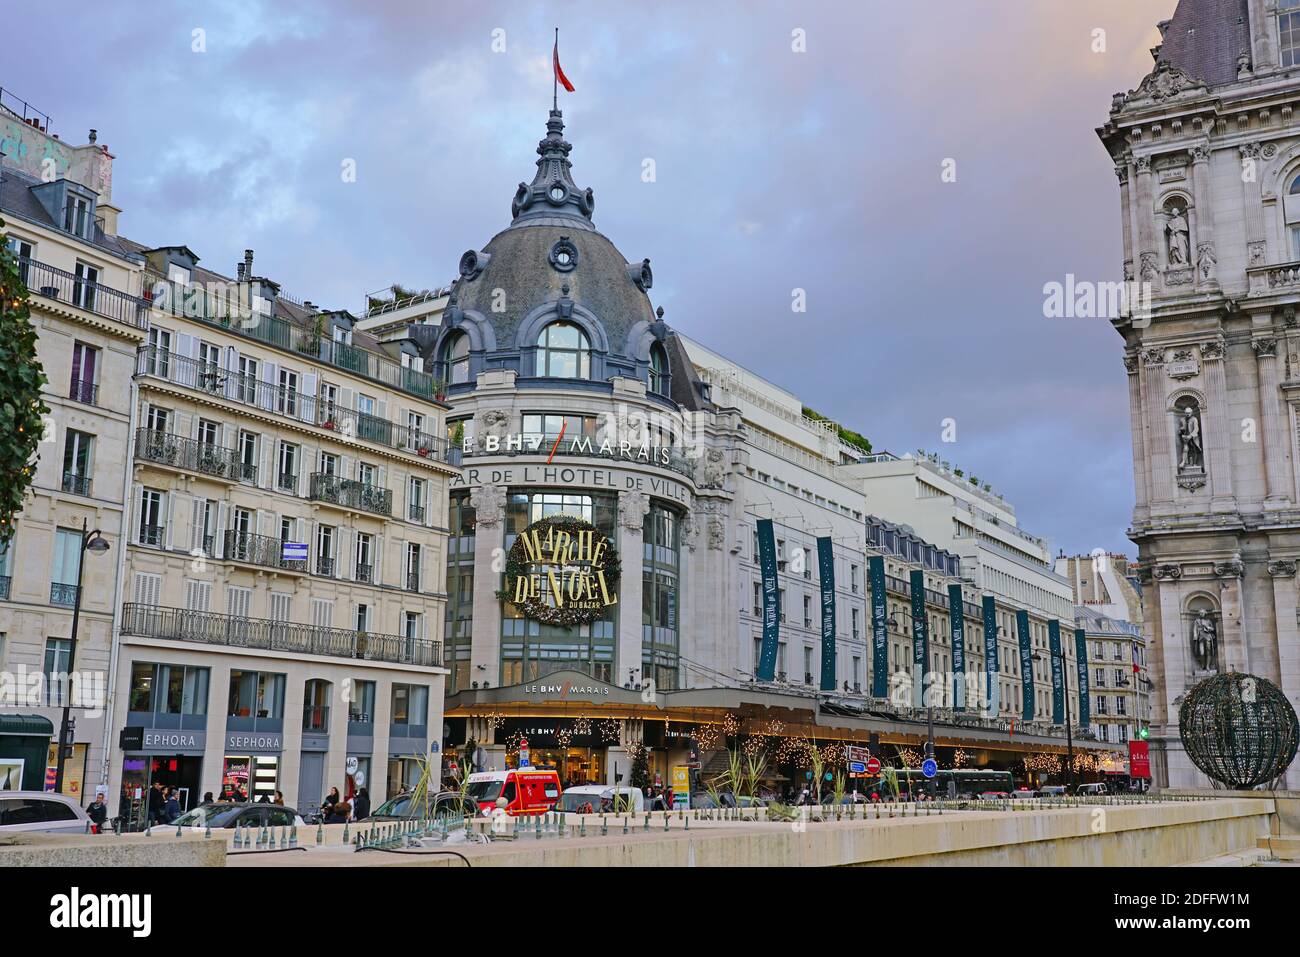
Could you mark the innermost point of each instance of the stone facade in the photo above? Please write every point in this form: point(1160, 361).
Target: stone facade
point(1207, 154)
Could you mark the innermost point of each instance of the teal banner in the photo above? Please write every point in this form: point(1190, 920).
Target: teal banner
point(771, 601)
point(1081, 659)
point(920, 640)
point(957, 612)
point(1026, 666)
point(826, 569)
point(1058, 671)
point(990, 654)
point(879, 633)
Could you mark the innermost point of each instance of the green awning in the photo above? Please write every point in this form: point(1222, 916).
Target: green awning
point(26, 724)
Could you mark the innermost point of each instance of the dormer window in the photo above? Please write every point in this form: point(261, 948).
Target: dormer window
point(76, 216)
point(563, 352)
point(455, 358)
point(658, 380)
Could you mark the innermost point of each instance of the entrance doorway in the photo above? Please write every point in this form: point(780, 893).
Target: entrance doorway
point(139, 772)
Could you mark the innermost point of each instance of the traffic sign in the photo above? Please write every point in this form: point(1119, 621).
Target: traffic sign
point(929, 767)
point(873, 765)
point(857, 767)
point(523, 752)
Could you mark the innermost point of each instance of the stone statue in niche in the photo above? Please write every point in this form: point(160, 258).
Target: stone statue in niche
point(1179, 236)
point(1191, 454)
point(1205, 641)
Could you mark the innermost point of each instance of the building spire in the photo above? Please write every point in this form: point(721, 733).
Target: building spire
point(553, 191)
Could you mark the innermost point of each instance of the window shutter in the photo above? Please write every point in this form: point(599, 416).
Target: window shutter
point(345, 553)
point(170, 524)
point(377, 558)
point(269, 400)
point(146, 589)
point(307, 398)
point(266, 472)
point(196, 526)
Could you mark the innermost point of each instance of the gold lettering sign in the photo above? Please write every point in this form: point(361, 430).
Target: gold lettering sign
point(561, 571)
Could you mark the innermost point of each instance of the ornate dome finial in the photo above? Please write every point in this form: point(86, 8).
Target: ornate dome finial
point(552, 191)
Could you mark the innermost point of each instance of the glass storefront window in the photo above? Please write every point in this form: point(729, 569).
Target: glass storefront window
point(257, 694)
point(661, 553)
point(250, 776)
point(181, 689)
point(410, 704)
point(361, 709)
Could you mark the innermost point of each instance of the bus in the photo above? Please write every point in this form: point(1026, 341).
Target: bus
point(962, 783)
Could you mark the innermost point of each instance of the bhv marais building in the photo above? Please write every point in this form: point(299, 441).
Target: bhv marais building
point(650, 545)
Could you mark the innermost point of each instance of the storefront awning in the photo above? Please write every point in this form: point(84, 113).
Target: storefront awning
point(32, 725)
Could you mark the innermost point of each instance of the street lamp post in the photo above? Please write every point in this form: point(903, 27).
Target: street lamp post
point(95, 543)
point(1069, 731)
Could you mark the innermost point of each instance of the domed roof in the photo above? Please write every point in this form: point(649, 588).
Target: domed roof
point(551, 252)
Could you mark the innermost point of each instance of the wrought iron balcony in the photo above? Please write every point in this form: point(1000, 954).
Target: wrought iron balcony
point(290, 403)
point(325, 566)
point(259, 550)
point(102, 300)
point(180, 624)
point(365, 573)
point(287, 482)
point(151, 535)
point(61, 594)
point(183, 453)
point(415, 513)
point(82, 390)
point(413, 580)
point(5, 582)
point(351, 494)
point(76, 484)
point(316, 717)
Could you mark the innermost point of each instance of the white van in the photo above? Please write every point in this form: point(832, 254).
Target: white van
point(601, 798)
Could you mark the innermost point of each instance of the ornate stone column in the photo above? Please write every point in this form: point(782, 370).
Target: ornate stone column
point(1159, 441)
point(1126, 215)
point(1204, 258)
point(489, 503)
point(1234, 654)
point(632, 510)
point(1173, 650)
point(1271, 433)
point(1256, 242)
point(1218, 451)
point(1283, 573)
point(1133, 365)
point(1148, 265)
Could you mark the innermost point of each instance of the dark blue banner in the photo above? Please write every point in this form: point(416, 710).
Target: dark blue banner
point(1026, 666)
point(1058, 671)
point(1081, 660)
point(826, 569)
point(879, 634)
point(771, 601)
point(920, 640)
point(957, 612)
point(990, 654)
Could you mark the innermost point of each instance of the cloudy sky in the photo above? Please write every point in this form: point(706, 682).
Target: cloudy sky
point(774, 170)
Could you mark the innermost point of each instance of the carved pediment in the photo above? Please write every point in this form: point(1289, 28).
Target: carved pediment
point(1166, 82)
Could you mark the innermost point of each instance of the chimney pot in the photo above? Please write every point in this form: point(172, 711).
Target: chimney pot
point(239, 271)
point(94, 136)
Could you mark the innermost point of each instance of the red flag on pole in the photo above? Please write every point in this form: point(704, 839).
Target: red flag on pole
point(559, 71)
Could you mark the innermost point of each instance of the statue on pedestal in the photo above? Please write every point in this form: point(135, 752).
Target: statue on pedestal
point(1179, 237)
point(1205, 641)
point(1191, 454)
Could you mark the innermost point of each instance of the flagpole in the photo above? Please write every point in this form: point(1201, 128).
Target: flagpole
point(555, 74)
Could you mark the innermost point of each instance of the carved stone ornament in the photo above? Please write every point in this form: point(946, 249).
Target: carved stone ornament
point(632, 510)
point(1235, 568)
point(717, 534)
point(1206, 260)
point(1257, 251)
point(1199, 153)
point(1178, 277)
point(1282, 569)
point(1191, 478)
point(711, 469)
point(1212, 350)
point(1265, 348)
point(489, 504)
point(1143, 164)
point(494, 422)
point(1166, 82)
point(1166, 573)
point(1130, 364)
point(1150, 269)
point(1268, 151)
point(1153, 357)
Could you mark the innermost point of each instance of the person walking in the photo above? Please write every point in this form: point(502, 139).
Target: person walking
point(155, 804)
point(171, 806)
point(331, 799)
point(361, 805)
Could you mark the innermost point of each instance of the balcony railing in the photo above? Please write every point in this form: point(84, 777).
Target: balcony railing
point(94, 297)
point(289, 403)
point(365, 573)
point(413, 581)
point(154, 621)
point(5, 582)
point(350, 494)
point(325, 566)
point(259, 550)
point(151, 534)
point(81, 390)
point(287, 482)
point(415, 513)
point(193, 302)
point(184, 453)
point(316, 717)
point(61, 594)
point(76, 484)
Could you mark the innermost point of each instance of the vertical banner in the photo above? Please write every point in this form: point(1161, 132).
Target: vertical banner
point(1081, 659)
point(826, 569)
point(1026, 666)
point(990, 654)
point(957, 612)
point(1058, 671)
point(879, 634)
point(920, 639)
point(771, 600)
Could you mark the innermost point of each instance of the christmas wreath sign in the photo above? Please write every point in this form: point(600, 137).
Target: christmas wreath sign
point(562, 571)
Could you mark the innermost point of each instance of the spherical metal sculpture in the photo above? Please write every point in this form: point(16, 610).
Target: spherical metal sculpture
point(1239, 729)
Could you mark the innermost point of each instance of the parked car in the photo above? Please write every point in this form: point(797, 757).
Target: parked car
point(1092, 790)
point(600, 798)
point(1024, 794)
point(41, 812)
point(443, 804)
point(228, 814)
point(1052, 790)
point(525, 790)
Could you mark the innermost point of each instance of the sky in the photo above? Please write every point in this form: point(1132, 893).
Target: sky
point(795, 146)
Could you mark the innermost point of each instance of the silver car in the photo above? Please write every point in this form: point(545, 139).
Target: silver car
point(41, 812)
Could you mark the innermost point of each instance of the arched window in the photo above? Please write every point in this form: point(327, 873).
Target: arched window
point(1291, 212)
point(455, 357)
point(658, 382)
point(563, 352)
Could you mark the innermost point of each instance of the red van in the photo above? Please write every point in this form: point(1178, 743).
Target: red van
point(527, 791)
